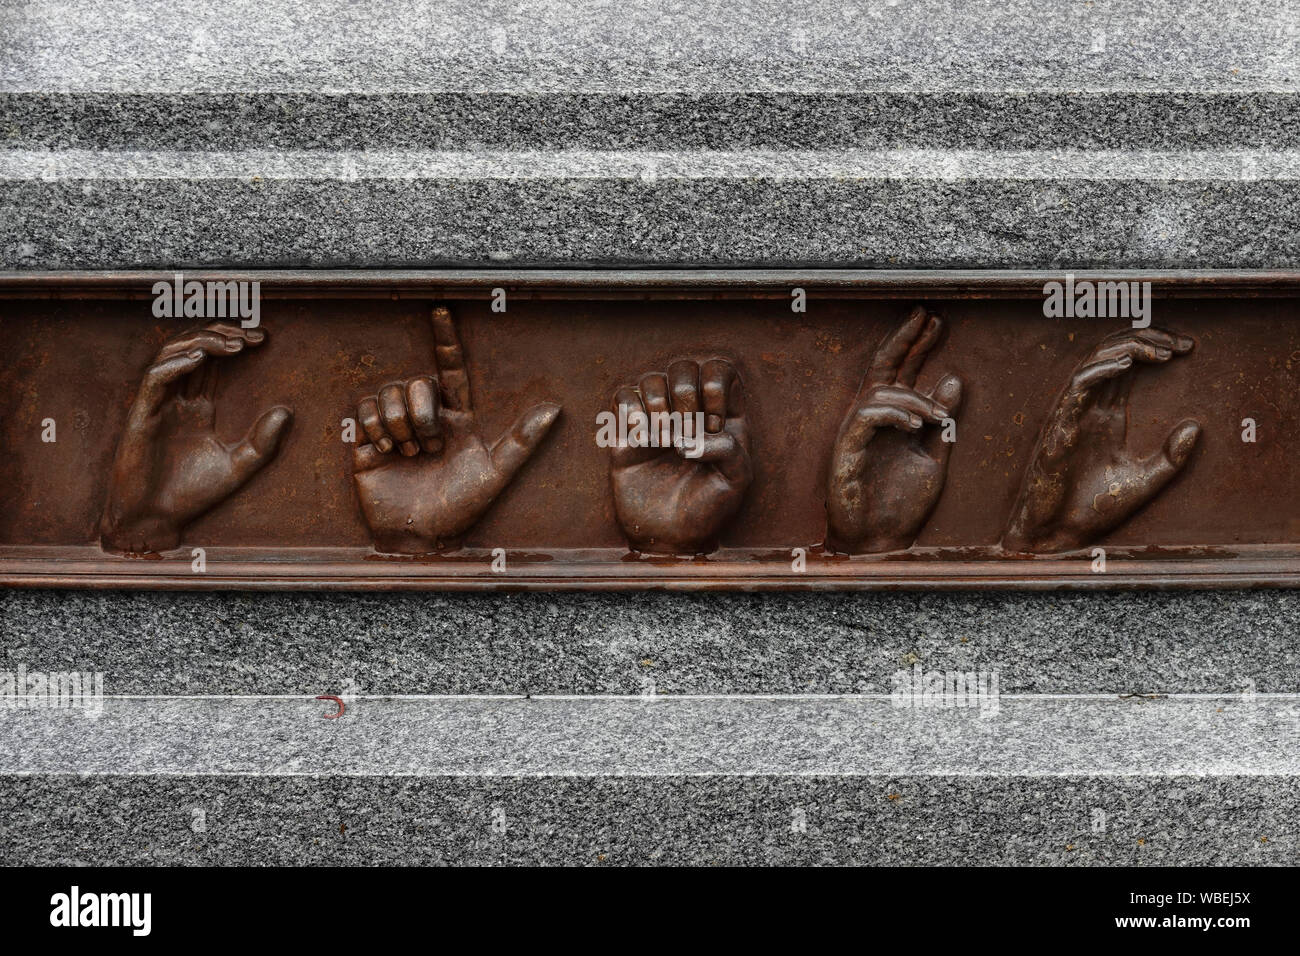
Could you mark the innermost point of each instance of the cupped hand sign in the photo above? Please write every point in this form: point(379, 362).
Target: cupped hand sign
point(1085, 479)
point(170, 467)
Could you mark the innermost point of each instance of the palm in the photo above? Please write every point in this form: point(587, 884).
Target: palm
point(900, 460)
point(668, 498)
point(192, 470)
point(432, 499)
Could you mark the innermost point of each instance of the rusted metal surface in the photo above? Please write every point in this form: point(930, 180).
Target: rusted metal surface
point(906, 430)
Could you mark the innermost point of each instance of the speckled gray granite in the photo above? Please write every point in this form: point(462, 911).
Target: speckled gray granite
point(991, 734)
point(341, 820)
point(493, 45)
point(176, 643)
point(1196, 781)
point(471, 74)
point(923, 210)
point(673, 120)
point(589, 133)
point(228, 133)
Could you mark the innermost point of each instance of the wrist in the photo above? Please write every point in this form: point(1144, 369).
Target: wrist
point(407, 542)
point(865, 544)
point(686, 548)
point(140, 535)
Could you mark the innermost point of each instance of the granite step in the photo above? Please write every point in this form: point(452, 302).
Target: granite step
point(648, 44)
point(1006, 779)
point(668, 120)
point(86, 209)
point(1225, 642)
point(993, 135)
point(331, 74)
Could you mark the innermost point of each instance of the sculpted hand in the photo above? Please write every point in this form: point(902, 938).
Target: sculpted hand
point(425, 476)
point(170, 467)
point(1084, 479)
point(889, 461)
point(668, 502)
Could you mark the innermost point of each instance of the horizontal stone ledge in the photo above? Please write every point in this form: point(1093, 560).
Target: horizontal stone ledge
point(312, 643)
point(645, 120)
point(973, 731)
point(642, 166)
point(701, 820)
point(647, 284)
point(648, 44)
point(892, 208)
point(744, 220)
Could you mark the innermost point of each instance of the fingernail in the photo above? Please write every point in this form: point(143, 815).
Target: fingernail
point(385, 445)
point(254, 335)
point(1126, 360)
point(410, 449)
point(234, 345)
point(196, 354)
point(713, 423)
point(916, 422)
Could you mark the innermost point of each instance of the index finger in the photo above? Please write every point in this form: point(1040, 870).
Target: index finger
point(230, 330)
point(920, 349)
point(450, 358)
point(885, 364)
point(1160, 337)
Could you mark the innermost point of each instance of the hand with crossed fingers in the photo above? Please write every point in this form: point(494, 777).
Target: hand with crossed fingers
point(889, 461)
point(673, 497)
point(170, 467)
point(425, 476)
point(1084, 479)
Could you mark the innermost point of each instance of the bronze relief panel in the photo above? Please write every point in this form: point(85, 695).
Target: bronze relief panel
point(647, 429)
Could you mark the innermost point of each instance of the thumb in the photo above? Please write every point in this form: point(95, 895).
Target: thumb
point(517, 444)
point(367, 456)
point(947, 393)
point(722, 450)
point(1160, 468)
point(260, 444)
